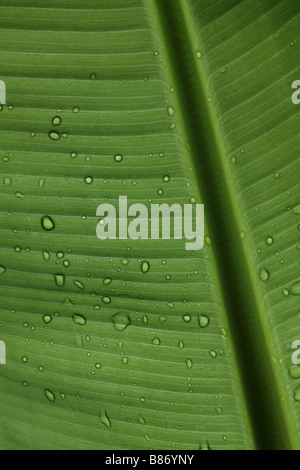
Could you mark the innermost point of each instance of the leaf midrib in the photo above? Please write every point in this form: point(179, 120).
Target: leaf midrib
point(246, 316)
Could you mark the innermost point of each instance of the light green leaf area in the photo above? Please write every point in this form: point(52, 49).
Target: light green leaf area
point(141, 344)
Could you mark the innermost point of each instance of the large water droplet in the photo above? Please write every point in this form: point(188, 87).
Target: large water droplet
point(121, 321)
point(47, 223)
point(264, 275)
point(79, 319)
point(295, 288)
point(59, 280)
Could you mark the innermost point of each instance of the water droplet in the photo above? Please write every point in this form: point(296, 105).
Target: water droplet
point(2, 269)
point(88, 180)
point(104, 419)
point(79, 319)
point(203, 321)
point(47, 319)
point(106, 300)
point(166, 179)
point(121, 321)
point(297, 394)
point(295, 288)
point(47, 223)
point(76, 110)
point(46, 255)
point(189, 363)
point(296, 210)
point(187, 318)
point(49, 395)
point(56, 121)
point(269, 241)
point(145, 267)
point(7, 181)
point(24, 359)
point(213, 354)
point(199, 55)
point(118, 158)
point(171, 111)
point(93, 76)
point(78, 284)
point(59, 280)
point(264, 275)
point(156, 341)
point(141, 420)
point(54, 135)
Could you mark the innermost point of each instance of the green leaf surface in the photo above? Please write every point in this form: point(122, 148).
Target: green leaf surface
point(141, 344)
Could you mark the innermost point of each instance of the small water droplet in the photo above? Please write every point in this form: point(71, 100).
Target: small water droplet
point(88, 180)
point(264, 275)
point(49, 395)
point(269, 241)
point(104, 419)
point(145, 267)
point(171, 111)
point(118, 158)
point(2, 269)
point(189, 363)
point(156, 341)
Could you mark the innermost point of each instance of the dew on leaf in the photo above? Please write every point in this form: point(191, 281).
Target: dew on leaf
point(118, 158)
point(79, 319)
point(269, 241)
point(78, 284)
point(121, 321)
point(46, 255)
point(104, 419)
point(264, 275)
point(7, 181)
point(47, 223)
point(59, 280)
point(47, 319)
point(56, 121)
point(49, 395)
point(203, 321)
point(145, 267)
point(189, 363)
point(295, 288)
point(2, 269)
point(156, 341)
point(54, 135)
point(171, 111)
